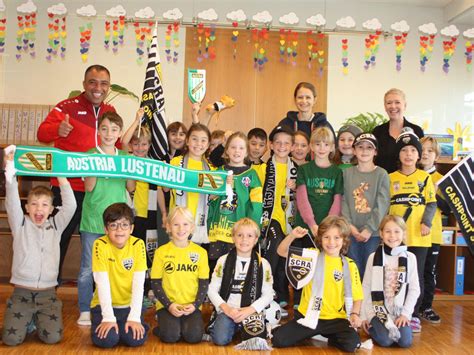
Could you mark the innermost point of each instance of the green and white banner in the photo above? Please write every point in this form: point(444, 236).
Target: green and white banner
point(46, 161)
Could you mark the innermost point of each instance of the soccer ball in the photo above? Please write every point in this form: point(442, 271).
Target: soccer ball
point(273, 313)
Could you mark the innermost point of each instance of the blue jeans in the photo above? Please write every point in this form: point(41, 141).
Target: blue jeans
point(223, 330)
point(112, 338)
point(360, 251)
point(85, 282)
point(379, 333)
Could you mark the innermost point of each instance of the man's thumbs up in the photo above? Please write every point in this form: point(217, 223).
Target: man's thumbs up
point(65, 127)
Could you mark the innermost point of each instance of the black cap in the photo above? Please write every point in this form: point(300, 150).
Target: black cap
point(280, 129)
point(366, 137)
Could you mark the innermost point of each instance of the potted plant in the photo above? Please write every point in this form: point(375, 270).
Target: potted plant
point(366, 121)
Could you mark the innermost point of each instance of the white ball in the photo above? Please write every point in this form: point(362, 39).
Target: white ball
point(273, 313)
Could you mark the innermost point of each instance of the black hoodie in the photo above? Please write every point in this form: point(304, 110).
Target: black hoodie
point(319, 120)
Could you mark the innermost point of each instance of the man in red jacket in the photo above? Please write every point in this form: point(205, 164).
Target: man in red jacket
point(72, 126)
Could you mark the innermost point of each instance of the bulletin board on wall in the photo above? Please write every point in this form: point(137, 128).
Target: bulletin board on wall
point(263, 97)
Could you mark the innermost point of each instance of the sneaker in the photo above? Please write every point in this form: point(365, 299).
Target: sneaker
point(84, 319)
point(295, 307)
point(284, 313)
point(430, 315)
point(415, 325)
point(283, 304)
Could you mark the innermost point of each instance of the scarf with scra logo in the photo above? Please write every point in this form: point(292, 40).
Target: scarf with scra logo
point(254, 325)
point(377, 288)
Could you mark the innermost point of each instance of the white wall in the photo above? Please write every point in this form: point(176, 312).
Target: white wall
point(435, 100)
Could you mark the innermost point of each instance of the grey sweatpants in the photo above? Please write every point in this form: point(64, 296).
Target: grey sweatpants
point(26, 305)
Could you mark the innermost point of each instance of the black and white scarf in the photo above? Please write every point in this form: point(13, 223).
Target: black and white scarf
point(269, 199)
point(254, 325)
point(311, 318)
point(377, 288)
point(200, 235)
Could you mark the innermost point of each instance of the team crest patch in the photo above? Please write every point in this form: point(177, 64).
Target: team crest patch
point(194, 257)
point(246, 181)
point(337, 275)
point(254, 324)
point(396, 186)
point(300, 266)
point(127, 263)
point(420, 184)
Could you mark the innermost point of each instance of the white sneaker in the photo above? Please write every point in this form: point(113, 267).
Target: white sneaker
point(84, 319)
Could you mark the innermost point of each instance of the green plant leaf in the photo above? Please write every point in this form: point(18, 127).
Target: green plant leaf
point(115, 90)
point(122, 91)
point(366, 121)
point(74, 93)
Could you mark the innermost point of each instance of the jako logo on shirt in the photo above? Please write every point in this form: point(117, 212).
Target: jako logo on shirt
point(127, 263)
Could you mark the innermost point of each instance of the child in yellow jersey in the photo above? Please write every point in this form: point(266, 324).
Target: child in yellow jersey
point(332, 298)
point(197, 142)
point(430, 153)
point(180, 279)
point(118, 266)
point(412, 196)
point(279, 206)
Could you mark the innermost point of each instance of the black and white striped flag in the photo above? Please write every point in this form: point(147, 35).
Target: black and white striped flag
point(153, 101)
point(457, 187)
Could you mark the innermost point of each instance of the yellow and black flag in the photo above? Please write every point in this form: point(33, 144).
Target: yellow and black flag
point(153, 102)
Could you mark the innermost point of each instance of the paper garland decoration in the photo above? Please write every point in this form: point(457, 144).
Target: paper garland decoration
point(345, 53)
point(400, 40)
point(235, 36)
point(57, 34)
point(142, 35)
point(26, 35)
point(449, 46)
point(315, 51)
point(209, 38)
point(468, 53)
point(291, 48)
point(426, 49)
point(85, 40)
point(116, 35)
point(172, 33)
point(371, 49)
point(3, 30)
point(259, 38)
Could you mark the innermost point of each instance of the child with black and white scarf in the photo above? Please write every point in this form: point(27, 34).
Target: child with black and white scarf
point(391, 287)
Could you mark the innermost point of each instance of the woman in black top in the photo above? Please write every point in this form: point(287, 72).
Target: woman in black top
point(304, 119)
point(387, 133)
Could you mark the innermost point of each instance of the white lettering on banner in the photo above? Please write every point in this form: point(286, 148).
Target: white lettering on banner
point(145, 168)
point(92, 163)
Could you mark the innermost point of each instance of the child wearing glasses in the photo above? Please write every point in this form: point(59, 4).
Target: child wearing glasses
point(118, 266)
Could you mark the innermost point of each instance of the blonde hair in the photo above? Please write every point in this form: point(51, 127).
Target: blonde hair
point(395, 91)
point(246, 222)
point(183, 211)
point(40, 191)
point(334, 222)
point(144, 133)
point(399, 221)
point(434, 144)
point(325, 135)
